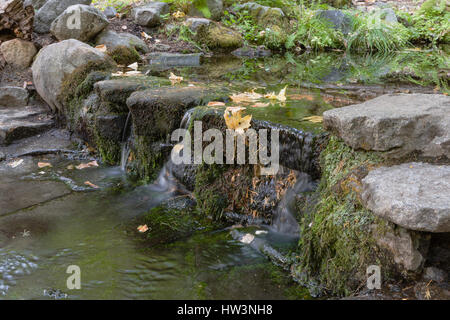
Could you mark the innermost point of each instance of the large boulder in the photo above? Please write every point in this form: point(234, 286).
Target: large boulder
point(18, 53)
point(37, 4)
point(214, 8)
point(415, 196)
point(336, 19)
point(214, 35)
point(149, 15)
point(50, 11)
point(57, 61)
point(400, 124)
point(112, 40)
point(91, 22)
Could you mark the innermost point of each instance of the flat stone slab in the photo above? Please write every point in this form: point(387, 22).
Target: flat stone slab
point(413, 195)
point(398, 123)
point(13, 97)
point(17, 195)
point(175, 59)
point(19, 123)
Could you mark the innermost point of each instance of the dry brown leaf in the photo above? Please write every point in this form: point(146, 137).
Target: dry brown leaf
point(301, 97)
point(178, 14)
point(87, 165)
point(90, 184)
point(260, 105)
point(133, 66)
point(246, 97)
point(101, 48)
point(175, 79)
point(44, 164)
point(145, 36)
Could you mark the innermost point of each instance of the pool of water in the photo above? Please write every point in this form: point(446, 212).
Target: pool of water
point(90, 229)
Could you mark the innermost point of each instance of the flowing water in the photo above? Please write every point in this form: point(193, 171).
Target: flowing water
point(90, 227)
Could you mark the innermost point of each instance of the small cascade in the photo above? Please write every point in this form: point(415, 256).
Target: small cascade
point(187, 119)
point(126, 143)
point(284, 221)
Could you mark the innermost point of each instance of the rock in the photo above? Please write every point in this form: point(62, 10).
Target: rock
point(337, 19)
point(57, 61)
point(388, 15)
point(13, 97)
point(435, 274)
point(403, 246)
point(18, 53)
point(195, 23)
point(258, 11)
point(50, 11)
point(18, 123)
point(215, 8)
point(149, 15)
point(112, 40)
point(175, 59)
point(91, 22)
point(2, 156)
point(110, 12)
point(37, 4)
point(214, 35)
point(400, 124)
point(413, 195)
point(161, 47)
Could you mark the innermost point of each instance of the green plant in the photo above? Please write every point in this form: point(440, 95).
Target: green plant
point(431, 23)
point(371, 33)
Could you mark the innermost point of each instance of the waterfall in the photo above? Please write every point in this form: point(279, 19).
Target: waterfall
point(125, 144)
point(284, 221)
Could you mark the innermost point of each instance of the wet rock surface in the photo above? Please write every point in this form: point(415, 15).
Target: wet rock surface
point(398, 123)
point(412, 195)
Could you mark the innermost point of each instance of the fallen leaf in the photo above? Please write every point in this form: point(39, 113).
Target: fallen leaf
point(143, 228)
point(301, 97)
point(145, 36)
point(260, 105)
point(16, 163)
point(124, 27)
point(90, 184)
point(87, 165)
point(314, 119)
point(133, 66)
point(216, 104)
point(175, 79)
point(178, 15)
point(101, 48)
point(70, 167)
point(248, 238)
point(44, 164)
point(280, 97)
point(235, 121)
point(246, 97)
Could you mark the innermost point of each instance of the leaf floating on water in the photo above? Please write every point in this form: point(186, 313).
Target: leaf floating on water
point(280, 97)
point(101, 48)
point(235, 121)
point(301, 97)
point(87, 165)
point(143, 228)
point(90, 184)
point(314, 119)
point(248, 238)
point(44, 164)
point(216, 104)
point(246, 97)
point(261, 232)
point(260, 105)
point(175, 79)
point(15, 163)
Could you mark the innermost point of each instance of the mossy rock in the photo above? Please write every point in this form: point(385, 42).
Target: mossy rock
point(337, 243)
point(124, 55)
point(216, 36)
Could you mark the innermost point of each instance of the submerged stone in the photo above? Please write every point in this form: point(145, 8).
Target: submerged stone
point(174, 59)
point(412, 195)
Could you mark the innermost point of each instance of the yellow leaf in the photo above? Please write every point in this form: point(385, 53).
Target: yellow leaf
point(175, 79)
point(246, 97)
point(260, 105)
point(145, 36)
point(90, 184)
point(44, 164)
point(280, 97)
point(235, 121)
point(314, 119)
point(178, 15)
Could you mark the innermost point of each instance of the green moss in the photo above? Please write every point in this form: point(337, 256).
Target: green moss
point(210, 200)
point(110, 150)
point(125, 55)
point(336, 243)
point(217, 36)
point(149, 159)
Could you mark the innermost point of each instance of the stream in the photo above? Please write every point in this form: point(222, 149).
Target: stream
point(90, 227)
